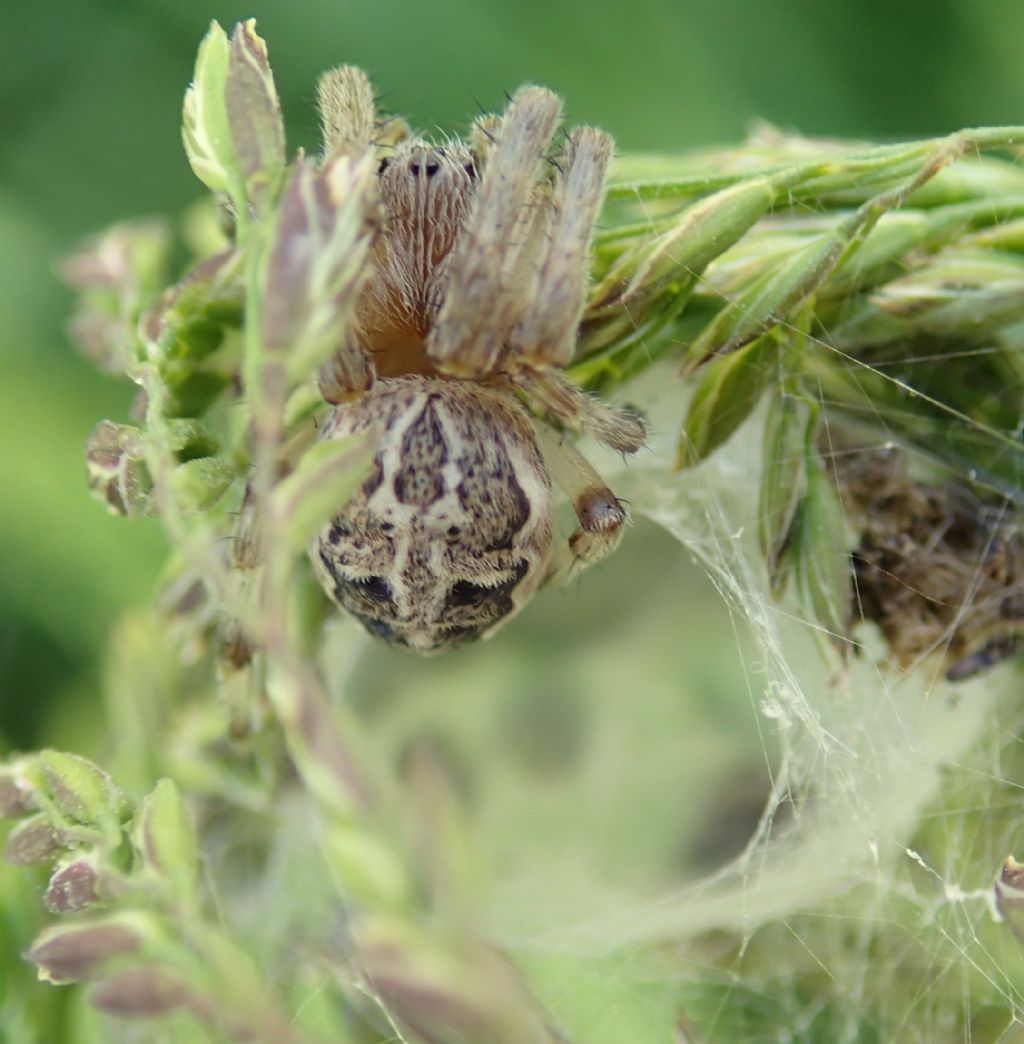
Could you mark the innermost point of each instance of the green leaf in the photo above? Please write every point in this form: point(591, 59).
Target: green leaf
point(324, 481)
point(205, 130)
point(769, 299)
point(821, 557)
point(724, 399)
point(199, 484)
point(82, 790)
point(783, 479)
point(881, 255)
point(167, 839)
point(188, 440)
point(959, 293)
point(703, 231)
point(194, 394)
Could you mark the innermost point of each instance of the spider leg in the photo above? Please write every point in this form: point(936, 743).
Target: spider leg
point(348, 123)
point(546, 335)
point(483, 136)
point(348, 373)
point(485, 296)
point(348, 115)
point(619, 428)
point(602, 518)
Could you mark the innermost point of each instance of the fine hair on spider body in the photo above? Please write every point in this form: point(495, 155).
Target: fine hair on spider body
point(470, 311)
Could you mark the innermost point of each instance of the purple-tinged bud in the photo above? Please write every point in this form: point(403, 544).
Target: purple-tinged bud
point(71, 953)
point(317, 260)
point(82, 790)
point(254, 113)
point(446, 988)
point(32, 841)
point(116, 274)
point(15, 801)
point(74, 886)
point(116, 470)
point(140, 993)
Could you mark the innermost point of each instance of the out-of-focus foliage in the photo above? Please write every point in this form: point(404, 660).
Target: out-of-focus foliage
point(91, 102)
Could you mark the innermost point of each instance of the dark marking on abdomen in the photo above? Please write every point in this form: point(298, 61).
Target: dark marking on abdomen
point(375, 478)
point(495, 502)
point(424, 453)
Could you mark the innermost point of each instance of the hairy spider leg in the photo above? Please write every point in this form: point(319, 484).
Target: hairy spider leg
point(602, 519)
point(546, 335)
point(488, 270)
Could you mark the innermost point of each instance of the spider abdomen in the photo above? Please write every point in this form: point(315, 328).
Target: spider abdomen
point(452, 531)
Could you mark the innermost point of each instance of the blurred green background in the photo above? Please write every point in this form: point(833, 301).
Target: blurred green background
point(90, 95)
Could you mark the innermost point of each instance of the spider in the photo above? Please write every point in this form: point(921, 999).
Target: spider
point(470, 309)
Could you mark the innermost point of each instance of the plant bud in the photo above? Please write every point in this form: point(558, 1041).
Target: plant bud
point(81, 789)
point(205, 129)
point(783, 479)
point(254, 113)
point(15, 801)
point(34, 840)
point(821, 559)
point(447, 988)
point(316, 262)
point(140, 993)
point(70, 953)
point(706, 229)
point(74, 886)
point(167, 838)
point(199, 484)
point(116, 275)
point(729, 390)
point(116, 469)
point(769, 299)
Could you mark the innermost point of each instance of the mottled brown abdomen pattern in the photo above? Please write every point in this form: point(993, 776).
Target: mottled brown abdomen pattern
point(452, 531)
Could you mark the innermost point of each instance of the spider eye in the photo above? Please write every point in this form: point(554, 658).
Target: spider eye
point(376, 588)
point(384, 164)
point(427, 162)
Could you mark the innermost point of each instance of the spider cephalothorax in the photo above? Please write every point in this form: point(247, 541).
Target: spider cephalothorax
point(472, 306)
